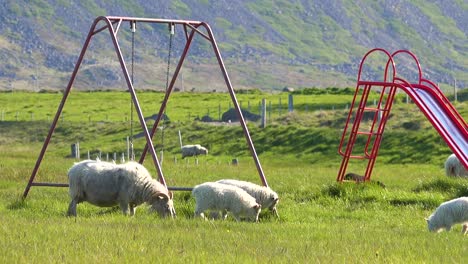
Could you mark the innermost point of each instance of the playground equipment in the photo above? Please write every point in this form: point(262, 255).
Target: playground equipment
point(113, 24)
point(424, 93)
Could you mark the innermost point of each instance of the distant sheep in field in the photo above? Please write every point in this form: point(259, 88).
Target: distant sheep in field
point(107, 184)
point(264, 196)
point(193, 150)
point(453, 167)
point(212, 196)
point(449, 213)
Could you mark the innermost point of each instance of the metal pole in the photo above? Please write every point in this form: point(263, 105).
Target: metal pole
point(236, 104)
point(60, 107)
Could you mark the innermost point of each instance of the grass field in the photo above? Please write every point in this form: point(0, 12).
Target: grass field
point(320, 221)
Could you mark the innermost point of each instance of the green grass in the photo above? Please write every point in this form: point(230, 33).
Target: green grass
point(320, 220)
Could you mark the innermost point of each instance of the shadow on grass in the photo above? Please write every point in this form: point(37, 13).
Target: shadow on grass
point(454, 187)
point(350, 189)
point(18, 204)
point(425, 203)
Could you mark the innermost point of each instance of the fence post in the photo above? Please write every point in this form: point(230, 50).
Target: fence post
point(290, 103)
point(263, 123)
point(74, 150)
point(219, 112)
point(279, 107)
point(455, 90)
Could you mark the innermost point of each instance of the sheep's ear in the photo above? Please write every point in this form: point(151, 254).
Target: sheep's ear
point(171, 195)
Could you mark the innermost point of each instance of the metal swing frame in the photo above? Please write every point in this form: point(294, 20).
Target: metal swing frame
point(113, 24)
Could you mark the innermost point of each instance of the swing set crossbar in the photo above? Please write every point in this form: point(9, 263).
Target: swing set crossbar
point(66, 185)
point(112, 24)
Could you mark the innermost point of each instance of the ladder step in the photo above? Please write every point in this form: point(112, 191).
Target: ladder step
point(368, 133)
point(374, 109)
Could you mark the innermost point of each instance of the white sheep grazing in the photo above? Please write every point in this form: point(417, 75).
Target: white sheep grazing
point(107, 184)
point(193, 150)
point(449, 213)
point(264, 196)
point(214, 196)
point(453, 167)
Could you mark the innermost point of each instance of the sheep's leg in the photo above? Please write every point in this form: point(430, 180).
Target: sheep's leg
point(124, 207)
point(214, 215)
point(236, 217)
point(275, 212)
point(465, 229)
point(224, 214)
point(199, 214)
point(72, 208)
point(132, 209)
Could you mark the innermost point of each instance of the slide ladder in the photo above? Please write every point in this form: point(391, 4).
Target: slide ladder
point(361, 137)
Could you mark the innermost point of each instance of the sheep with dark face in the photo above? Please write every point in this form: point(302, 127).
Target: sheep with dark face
point(107, 184)
point(217, 197)
point(454, 168)
point(193, 150)
point(263, 195)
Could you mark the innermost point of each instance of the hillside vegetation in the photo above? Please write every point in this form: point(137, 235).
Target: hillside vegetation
point(266, 44)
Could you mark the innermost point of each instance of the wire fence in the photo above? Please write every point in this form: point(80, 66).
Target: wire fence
point(253, 110)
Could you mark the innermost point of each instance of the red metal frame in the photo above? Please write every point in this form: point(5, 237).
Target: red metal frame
point(113, 23)
point(425, 94)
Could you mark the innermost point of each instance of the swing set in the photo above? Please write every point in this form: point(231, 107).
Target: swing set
point(113, 25)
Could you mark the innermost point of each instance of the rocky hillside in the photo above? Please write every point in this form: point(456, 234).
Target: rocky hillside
point(265, 44)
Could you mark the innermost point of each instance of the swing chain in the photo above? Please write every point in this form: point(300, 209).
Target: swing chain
point(172, 32)
point(131, 154)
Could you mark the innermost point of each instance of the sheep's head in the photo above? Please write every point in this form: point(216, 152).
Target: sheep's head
point(163, 205)
point(431, 225)
point(271, 201)
point(203, 151)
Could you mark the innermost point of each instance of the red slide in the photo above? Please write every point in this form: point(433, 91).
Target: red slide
point(443, 117)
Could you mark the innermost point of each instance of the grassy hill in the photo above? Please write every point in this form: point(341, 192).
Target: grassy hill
point(266, 45)
point(319, 218)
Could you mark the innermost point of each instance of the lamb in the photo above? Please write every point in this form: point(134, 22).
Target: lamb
point(453, 167)
point(193, 150)
point(264, 196)
point(449, 213)
point(107, 184)
point(225, 198)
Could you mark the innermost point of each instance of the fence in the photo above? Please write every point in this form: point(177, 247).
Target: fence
point(266, 111)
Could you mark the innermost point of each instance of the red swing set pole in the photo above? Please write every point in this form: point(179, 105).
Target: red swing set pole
point(110, 22)
point(211, 39)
